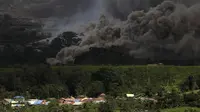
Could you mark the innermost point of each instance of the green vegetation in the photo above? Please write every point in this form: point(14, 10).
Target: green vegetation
point(171, 86)
point(135, 78)
point(182, 109)
point(170, 77)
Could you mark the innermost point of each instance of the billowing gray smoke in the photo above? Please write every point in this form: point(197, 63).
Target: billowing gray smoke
point(67, 8)
point(169, 26)
point(62, 15)
point(66, 15)
point(72, 14)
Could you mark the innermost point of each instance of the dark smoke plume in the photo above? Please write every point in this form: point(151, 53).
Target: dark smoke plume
point(167, 27)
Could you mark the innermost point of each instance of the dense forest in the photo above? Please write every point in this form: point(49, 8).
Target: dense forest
point(44, 81)
point(171, 86)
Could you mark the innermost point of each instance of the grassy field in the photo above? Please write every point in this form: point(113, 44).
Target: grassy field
point(181, 109)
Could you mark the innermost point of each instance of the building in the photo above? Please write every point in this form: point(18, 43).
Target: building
point(77, 102)
point(66, 101)
point(102, 95)
point(18, 101)
point(6, 101)
point(73, 101)
point(81, 100)
point(130, 95)
point(34, 102)
point(99, 100)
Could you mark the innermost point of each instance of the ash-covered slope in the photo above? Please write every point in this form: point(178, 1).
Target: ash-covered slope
point(167, 32)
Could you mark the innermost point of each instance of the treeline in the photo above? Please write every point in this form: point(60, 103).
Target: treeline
point(44, 81)
point(171, 86)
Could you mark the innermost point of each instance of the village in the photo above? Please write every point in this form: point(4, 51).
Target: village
point(20, 101)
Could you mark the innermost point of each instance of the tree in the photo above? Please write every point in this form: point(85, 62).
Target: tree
point(148, 91)
point(113, 80)
point(171, 100)
point(67, 108)
point(96, 88)
point(106, 107)
point(82, 83)
point(90, 107)
point(54, 106)
point(190, 84)
point(4, 108)
point(192, 99)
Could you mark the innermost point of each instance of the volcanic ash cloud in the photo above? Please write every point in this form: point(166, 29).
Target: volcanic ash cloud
point(169, 26)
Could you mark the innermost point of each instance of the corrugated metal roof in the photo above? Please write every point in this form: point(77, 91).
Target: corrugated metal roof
point(38, 102)
point(18, 97)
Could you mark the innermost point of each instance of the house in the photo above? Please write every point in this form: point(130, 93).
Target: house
point(77, 102)
point(130, 95)
point(34, 102)
point(70, 101)
point(41, 102)
point(102, 95)
point(66, 101)
point(18, 101)
point(81, 100)
point(86, 100)
point(6, 101)
point(31, 101)
point(99, 100)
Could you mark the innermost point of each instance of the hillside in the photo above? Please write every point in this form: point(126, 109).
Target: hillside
point(182, 109)
point(139, 77)
point(171, 86)
point(158, 75)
